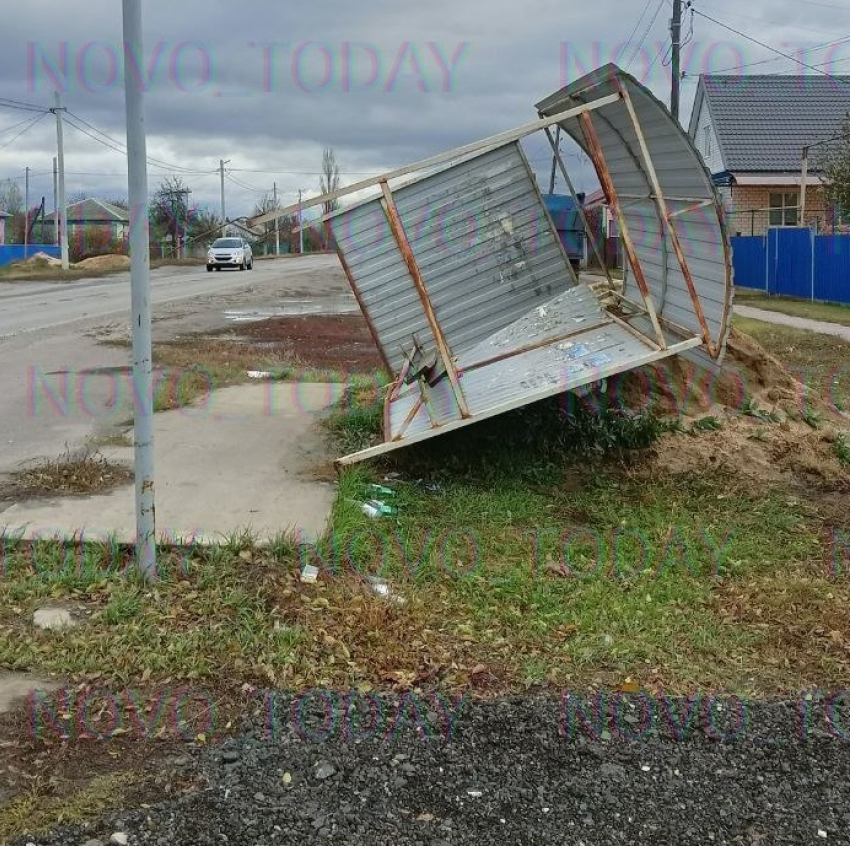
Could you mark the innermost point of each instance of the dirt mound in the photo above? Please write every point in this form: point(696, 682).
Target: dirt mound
point(753, 420)
point(38, 260)
point(105, 263)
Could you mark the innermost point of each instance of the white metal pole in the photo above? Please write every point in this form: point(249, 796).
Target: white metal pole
point(62, 215)
point(804, 178)
point(137, 170)
point(300, 226)
point(55, 201)
point(221, 165)
point(276, 226)
point(27, 214)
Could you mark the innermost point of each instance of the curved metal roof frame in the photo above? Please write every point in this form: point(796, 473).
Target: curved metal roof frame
point(470, 297)
point(659, 188)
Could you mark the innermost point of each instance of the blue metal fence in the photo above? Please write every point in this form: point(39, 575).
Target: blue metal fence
point(794, 262)
point(19, 252)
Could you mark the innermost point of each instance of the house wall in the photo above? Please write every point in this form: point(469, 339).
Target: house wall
point(747, 213)
point(2, 230)
point(713, 158)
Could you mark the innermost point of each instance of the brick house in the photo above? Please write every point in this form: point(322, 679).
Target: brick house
point(751, 131)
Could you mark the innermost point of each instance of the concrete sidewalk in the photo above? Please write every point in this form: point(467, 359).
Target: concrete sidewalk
point(251, 458)
point(824, 328)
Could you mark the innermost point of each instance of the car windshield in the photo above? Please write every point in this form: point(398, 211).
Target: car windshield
point(227, 242)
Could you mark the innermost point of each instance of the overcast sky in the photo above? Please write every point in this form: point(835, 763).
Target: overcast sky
point(267, 84)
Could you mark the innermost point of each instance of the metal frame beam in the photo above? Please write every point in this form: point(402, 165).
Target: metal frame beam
point(495, 410)
point(475, 148)
point(579, 206)
point(598, 157)
point(665, 217)
point(400, 236)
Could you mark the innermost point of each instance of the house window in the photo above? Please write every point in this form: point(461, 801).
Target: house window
point(706, 144)
point(783, 208)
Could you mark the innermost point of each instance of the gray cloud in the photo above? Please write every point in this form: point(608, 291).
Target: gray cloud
point(268, 84)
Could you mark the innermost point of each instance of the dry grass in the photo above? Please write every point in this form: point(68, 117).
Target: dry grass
point(72, 474)
point(827, 312)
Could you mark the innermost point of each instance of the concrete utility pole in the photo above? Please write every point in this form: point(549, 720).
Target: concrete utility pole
point(676, 61)
point(62, 211)
point(137, 172)
point(55, 201)
point(221, 165)
point(276, 226)
point(27, 213)
point(300, 227)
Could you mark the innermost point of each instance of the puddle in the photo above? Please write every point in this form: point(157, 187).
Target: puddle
point(295, 308)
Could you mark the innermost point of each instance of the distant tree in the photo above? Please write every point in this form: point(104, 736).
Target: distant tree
point(287, 224)
point(330, 178)
point(11, 198)
point(119, 203)
point(170, 213)
point(833, 161)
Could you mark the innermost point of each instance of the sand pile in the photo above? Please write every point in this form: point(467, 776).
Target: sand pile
point(105, 263)
point(753, 419)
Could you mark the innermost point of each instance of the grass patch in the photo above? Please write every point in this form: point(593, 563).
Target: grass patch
point(72, 474)
point(38, 811)
point(842, 449)
point(820, 362)
point(190, 369)
point(827, 312)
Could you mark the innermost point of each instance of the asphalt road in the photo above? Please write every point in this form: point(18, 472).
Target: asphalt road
point(51, 350)
point(28, 306)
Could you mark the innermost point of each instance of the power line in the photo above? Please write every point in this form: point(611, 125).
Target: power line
point(772, 49)
point(646, 33)
point(628, 41)
point(15, 125)
point(161, 163)
point(6, 103)
point(842, 40)
point(26, 129)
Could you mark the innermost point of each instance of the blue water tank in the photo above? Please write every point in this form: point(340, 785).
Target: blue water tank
point(564, 213)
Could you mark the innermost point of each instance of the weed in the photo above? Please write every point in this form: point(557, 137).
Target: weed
point(812, 418)
point(707, 424)
point(842, 449)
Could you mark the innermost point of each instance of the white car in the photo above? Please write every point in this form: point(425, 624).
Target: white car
point(230, 252)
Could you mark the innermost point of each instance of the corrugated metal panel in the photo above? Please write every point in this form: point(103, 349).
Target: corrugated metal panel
point(483, 243)
point(470, 256)
point(682, 174)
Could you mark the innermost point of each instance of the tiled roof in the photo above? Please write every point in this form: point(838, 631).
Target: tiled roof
point(764, 121)
point(96, 210)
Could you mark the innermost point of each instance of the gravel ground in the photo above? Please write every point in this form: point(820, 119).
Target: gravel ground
point(518, 771)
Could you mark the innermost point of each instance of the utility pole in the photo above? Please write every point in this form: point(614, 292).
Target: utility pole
point(221, 165)
point(555, 159)
point(27, 214)
point(55, 201)
point(137, 173)
point(300, 227)
point(276, 225)
point(62, 211)
point(676, 61)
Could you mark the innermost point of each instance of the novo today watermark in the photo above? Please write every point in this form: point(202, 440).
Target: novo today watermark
point(318, 715)
point(105, 395)
point(635, 716)
point(196, 67)
point(699, 56)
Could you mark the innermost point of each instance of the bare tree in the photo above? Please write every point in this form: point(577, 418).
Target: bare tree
point(285, 223)
point(834, 164)
point(11, 199)
point(330, 178)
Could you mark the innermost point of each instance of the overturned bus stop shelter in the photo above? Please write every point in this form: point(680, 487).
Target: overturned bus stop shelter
point(470, 297)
